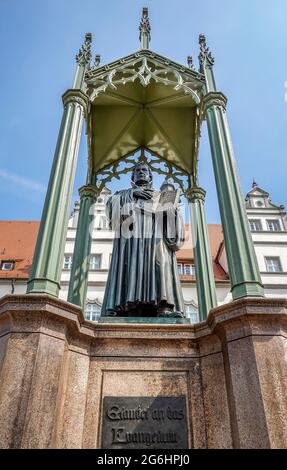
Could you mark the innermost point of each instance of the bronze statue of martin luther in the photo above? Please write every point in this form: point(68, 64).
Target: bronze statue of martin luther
point(143, 277)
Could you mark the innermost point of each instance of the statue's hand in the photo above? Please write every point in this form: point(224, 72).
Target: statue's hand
point(143, 194)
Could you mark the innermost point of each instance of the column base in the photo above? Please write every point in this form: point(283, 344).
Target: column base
point(247, 289)
point(56, 369)
point(43, 286)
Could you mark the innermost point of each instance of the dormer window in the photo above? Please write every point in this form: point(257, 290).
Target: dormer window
point(7, 265)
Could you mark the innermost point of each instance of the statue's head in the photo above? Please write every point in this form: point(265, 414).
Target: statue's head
point(142, 174)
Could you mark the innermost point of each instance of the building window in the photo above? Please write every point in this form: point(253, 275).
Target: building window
point(189, 270)
point(92, 312)
point(7, 265)
point(273, 265)
point(95, 262)
point(255, 225)
point(273, 225)
point(179, 269)
point(192, 313)
point(68, 261)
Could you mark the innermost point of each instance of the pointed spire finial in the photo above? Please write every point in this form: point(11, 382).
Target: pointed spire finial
point(190, 62)
point(254, 184)
point(205, 55)
point(145, 29)
point(84, 56)
point(97, 60)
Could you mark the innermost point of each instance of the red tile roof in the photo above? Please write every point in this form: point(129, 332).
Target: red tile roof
point(17, 243)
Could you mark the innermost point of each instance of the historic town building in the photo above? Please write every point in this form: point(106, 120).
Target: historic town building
point(267, 223)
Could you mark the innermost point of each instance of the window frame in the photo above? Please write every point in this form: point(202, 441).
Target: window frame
point(269, 258)
point(93, 315)
point(100, 263)
point(70, 262)
point(4, 262)
point(193, 315)
point(180, 271)
point(255, 221)
point(271, 221)
point(192, 269)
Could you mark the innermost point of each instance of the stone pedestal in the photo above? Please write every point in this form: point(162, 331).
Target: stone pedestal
point(56, 368)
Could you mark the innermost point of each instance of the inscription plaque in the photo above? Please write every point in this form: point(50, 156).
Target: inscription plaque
point(144, 423)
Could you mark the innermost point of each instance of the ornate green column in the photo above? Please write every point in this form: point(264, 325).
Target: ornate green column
point(48, 256)
point(80, 267)
point(205, 284)
point(241, 258)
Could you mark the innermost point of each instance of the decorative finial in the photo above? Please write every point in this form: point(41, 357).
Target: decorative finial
point(84, 56)
point(205, 55)
point(254, 184)
point(190, 62)
point(97, 60)
point(145, 29)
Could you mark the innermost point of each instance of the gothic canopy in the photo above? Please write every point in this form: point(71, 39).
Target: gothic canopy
point(144, 101)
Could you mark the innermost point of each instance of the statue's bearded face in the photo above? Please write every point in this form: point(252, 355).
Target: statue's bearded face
point(142, 174)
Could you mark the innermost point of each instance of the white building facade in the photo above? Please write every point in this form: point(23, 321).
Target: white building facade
point(268, 225)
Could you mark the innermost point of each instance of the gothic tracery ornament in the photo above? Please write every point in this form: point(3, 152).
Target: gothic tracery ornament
point(142, 69)
point(155, 163)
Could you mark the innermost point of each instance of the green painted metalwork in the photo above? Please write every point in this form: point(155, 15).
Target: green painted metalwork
point(205, 283)
point(48, 257)
point(128, 164)
point(80, 266)
point(241, 258)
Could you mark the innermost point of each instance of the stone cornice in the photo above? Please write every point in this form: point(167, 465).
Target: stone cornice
point(214, 99)
point(76, 96)
point(25, 310)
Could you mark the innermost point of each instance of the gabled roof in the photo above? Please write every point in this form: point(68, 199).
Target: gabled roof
point(256, 191)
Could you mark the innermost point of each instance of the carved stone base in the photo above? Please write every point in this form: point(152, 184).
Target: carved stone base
point(56, 368)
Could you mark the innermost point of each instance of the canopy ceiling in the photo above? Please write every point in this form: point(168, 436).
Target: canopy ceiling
point(144, 101)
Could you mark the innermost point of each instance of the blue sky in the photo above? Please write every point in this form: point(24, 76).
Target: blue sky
point(39, 40)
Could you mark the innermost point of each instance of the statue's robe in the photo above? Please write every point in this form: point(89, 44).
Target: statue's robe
point(143, 275)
